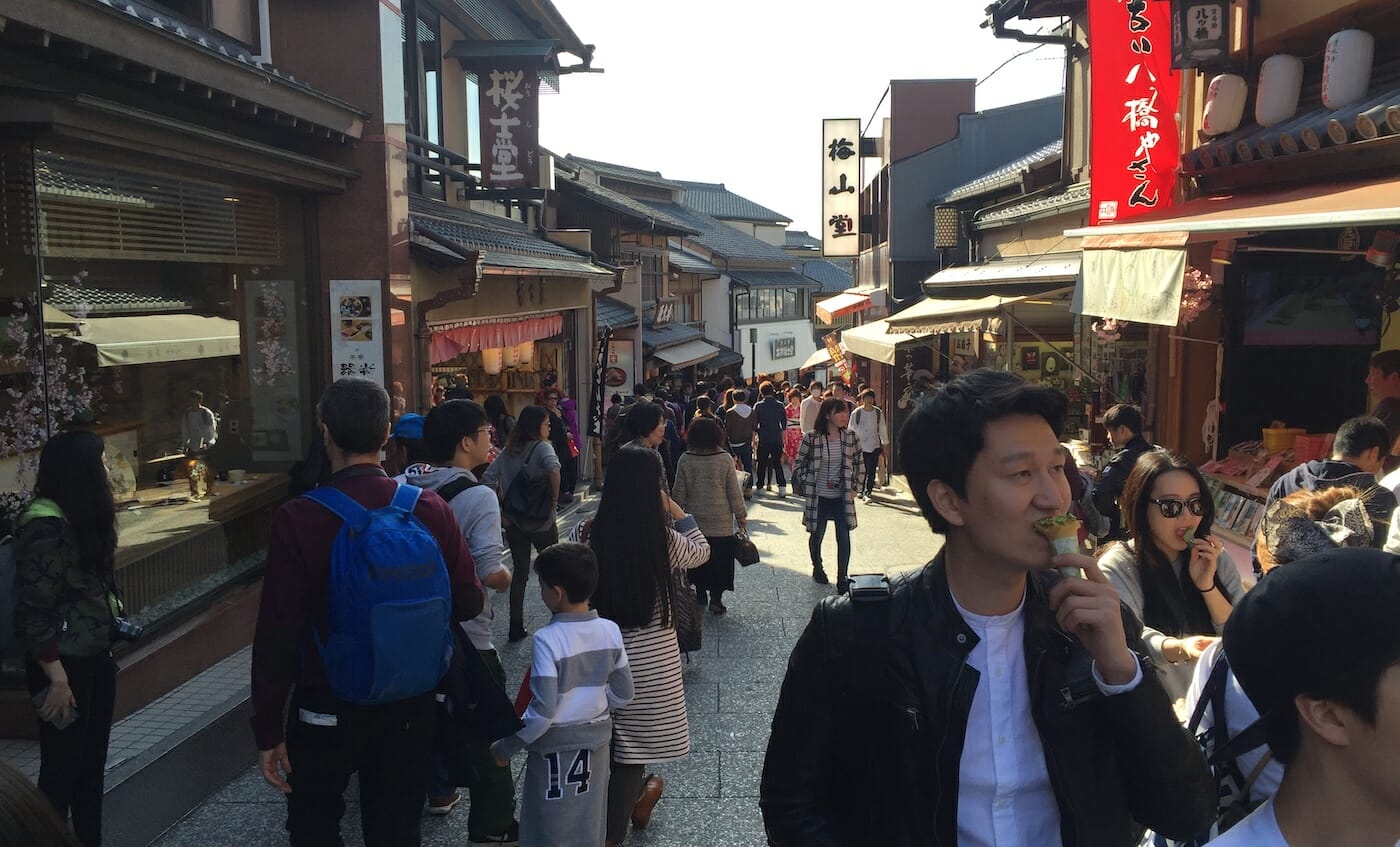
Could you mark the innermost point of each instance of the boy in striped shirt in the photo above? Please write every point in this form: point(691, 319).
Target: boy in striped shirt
point(578, 675)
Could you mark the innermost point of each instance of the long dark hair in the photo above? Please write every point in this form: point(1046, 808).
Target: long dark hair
point(526, 429)
point(72, 475)
point(829, 407)
point(1170, 603)
point(629, 537)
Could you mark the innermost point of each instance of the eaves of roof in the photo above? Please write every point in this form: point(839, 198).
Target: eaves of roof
point(624, 172)
point(623, 205)
point(1008, 175)
point(1074, 198)
point(719, 202)
point(723, 239)
point(614, 313)
point(772, 279)
point(670, 335)
point(506, 244)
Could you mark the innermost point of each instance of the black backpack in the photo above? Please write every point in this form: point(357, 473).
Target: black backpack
point(529, 501)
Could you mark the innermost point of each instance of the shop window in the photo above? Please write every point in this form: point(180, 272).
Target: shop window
point(771, 304)
point(653, 268)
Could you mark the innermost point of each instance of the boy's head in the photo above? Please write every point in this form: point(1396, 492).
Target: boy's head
point(1363, 442)
point(867, 398)
point(1316, 647)
point(568, 574)
point(983, 459)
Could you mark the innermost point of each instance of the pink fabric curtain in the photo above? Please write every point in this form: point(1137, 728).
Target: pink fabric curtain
point(447, 344)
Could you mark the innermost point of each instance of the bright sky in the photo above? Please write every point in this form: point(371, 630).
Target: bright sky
point(734, 91)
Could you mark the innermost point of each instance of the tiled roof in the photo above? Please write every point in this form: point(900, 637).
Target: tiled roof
point(715, 200)
point(832, 277)
point(687, 263)
point(662, 337)
point(1072, 198)
point(1008, 175)
point(624, 172)
point(727, 356)
point(797, 238)
point(778, 279)
point(1377, 114)
point(87, 296)
point(722, 238)
point(615, 313)
point(621, 204)
point(507, 244)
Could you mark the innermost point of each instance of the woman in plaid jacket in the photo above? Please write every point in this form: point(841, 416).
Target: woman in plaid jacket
point(829, 473)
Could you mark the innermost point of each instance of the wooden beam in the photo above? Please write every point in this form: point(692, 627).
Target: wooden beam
point(172, 83)
point(248, 107)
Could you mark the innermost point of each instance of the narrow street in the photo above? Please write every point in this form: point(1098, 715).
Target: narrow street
point(731, 689)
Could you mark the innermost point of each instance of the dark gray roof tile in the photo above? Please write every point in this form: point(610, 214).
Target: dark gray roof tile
point(722, 238)
point(1008, 175)
point(719, 202)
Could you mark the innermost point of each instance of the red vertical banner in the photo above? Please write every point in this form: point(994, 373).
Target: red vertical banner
point(1134, 148)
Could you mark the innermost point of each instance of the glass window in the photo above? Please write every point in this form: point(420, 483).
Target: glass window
point(236, 19)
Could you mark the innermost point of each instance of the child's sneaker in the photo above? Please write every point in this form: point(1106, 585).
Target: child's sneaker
point(509, 838)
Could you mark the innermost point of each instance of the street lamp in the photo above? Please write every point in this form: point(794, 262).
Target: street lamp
point(753, 353)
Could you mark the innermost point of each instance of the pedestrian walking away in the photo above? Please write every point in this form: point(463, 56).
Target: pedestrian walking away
point(357, 632)
point(739, 429)
point(829, 472)
point(1124, 425)
point(868, 423)
point(707, 486)
point(65, 608)
point(770, 423)
point(528, 460)
point(643, 540)
point(994, 700)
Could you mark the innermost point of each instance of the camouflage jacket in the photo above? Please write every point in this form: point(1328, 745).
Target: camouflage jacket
point(61, 607)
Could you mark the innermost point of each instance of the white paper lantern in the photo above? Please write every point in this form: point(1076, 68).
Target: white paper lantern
point(512, 356)
point(1280, 83)
point(526, 352)
point(1346, 71)
point(491, 359)
point(1224, 104)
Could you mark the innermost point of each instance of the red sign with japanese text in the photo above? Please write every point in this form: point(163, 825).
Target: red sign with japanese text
point(1134, 151)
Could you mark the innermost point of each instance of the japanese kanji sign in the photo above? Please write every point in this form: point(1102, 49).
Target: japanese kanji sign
point(357, 324)
point(841, 187)
point(508, 93)
point(1135, 141)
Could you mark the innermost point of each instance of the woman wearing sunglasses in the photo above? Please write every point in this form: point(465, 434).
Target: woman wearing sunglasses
point(1173, 574)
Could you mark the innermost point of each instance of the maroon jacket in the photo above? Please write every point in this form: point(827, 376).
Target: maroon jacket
point(294, 588)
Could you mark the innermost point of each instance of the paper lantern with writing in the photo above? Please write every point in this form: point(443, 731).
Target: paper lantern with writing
point(1224, 104)
point(1346, 71)
point(1280, 84)
point(491, 359)
point(511, 355)
point(526, 352)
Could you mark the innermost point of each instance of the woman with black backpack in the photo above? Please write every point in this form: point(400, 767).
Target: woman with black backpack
point(528, 460)
point(66, 606)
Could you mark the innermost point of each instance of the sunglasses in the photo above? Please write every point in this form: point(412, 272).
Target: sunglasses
point(1171, 507)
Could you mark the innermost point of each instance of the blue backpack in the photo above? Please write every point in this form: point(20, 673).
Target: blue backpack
point(389, 602)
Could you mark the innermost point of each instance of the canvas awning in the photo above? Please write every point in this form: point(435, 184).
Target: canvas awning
point(845, 303)
point(942, 317)
point(1141, 285)
point(687, 354)
point(1023, 273)
point(1313, 206)
point(821, 358)
point(144, 339)
point(875, 341)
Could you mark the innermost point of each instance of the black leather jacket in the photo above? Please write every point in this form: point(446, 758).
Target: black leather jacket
point(1108, 489)
point(868, 735)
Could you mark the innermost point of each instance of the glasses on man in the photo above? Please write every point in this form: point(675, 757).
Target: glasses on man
point(1171, 507)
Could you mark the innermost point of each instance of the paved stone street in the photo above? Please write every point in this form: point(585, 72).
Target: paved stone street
point(731, 685)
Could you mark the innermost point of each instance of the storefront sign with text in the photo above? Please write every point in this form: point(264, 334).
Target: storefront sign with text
point(841, 187)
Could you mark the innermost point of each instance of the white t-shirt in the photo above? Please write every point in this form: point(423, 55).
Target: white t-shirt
point(1260, 829)
point(807, 413)
point(1239, 715)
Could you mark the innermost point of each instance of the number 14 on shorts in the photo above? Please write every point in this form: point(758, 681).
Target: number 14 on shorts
point(578, 775)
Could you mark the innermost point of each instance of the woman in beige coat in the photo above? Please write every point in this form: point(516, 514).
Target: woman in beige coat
point(707, 486)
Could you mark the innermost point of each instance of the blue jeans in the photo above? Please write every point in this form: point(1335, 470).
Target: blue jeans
point(832, 509)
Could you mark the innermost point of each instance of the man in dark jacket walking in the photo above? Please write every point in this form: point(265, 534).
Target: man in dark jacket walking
point(983, 699)
point(1124, 425)
point(770, 419)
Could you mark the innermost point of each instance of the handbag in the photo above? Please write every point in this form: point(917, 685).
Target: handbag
point(528, 501)
point(685, 613)
point(745, 550)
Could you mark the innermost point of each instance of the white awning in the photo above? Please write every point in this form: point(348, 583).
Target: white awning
point(1056, 267)
point(689, 353)
point(821, 358)
point(845, 303)
point(144, 339)
point(943, 317)
point(875, 341)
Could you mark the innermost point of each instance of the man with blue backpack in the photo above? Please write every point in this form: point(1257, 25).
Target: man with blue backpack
point(364, 579)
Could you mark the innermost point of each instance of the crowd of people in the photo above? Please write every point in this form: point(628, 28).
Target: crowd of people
point(1154, 692)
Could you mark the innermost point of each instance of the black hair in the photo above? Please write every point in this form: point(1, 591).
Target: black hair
point(495, 407)
point(356, 412)
point(830, 406)
point(942, 438)
point(415, 449)
point(741, 397)
point(447, 424)
point(629, 536)
point(639, 389)
point(71, 474)
point(570, 566)
point(527, 429)
point(1166, 604)
point(26, 816)
point(704, 434)
point(1124, 414)
point(642, 418)
point(1386, 361)
point(1357, 435)
point(869, 392)
point(816, 383)
point(704, 405)
point(197, 395)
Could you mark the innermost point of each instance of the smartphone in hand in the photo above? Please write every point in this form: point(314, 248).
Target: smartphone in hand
point(58, 723)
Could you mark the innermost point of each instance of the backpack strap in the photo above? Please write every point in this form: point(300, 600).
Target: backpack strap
point(405, 498)
point(455, 487)
point(339, 503)
point(1215, 684)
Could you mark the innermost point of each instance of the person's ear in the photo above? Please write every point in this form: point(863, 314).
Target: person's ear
point(1329, 721)
point(1372, 456)
point(388, 427)
point(946, 502)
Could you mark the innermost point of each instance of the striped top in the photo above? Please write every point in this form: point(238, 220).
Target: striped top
point(654, 727)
